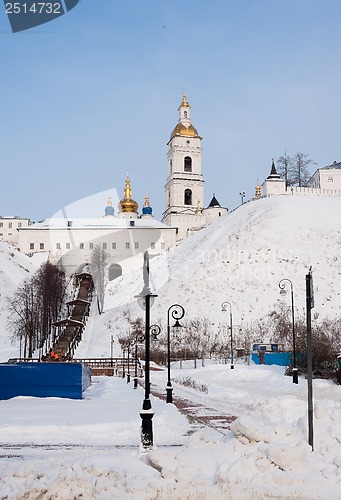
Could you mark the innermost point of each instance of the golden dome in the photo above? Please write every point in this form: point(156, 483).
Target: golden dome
point(185, 130)
point(127, 204)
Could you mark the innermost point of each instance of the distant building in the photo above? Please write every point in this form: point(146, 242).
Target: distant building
point(273, 184)
point(326, 181)
point(9, 228)
point(327, 177)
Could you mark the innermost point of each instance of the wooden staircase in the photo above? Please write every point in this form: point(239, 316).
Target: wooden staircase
point(70, 329)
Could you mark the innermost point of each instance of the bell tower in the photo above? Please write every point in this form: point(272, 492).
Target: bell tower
point(184, 187)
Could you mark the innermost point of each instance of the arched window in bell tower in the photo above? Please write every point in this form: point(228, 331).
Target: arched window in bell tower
point(188, 197)
point(185, 114)
point(188, 164)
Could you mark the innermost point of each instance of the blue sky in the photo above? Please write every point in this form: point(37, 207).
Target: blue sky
point(95, 92)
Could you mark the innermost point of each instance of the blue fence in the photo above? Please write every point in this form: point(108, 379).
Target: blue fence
point(59, 380)
point(273, 358)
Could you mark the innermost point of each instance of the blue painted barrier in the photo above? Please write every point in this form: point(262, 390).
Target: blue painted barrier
point(273, 358)
point(58, 380)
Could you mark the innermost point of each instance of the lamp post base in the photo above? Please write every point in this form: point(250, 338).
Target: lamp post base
point(147, 415)
point(128, 378)
point(169, 397)
point(232, 367)
point(295, 376)
point(135, 382)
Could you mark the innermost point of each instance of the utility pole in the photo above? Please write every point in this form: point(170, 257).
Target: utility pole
point(309, 306)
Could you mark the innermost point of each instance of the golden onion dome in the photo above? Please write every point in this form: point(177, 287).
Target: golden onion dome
point(127, 204)
point(182, 129)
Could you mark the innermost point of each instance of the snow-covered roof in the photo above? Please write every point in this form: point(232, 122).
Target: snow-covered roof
point(96, 223)
point(333, 165)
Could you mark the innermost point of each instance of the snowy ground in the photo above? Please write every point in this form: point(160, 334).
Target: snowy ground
point(64, 449)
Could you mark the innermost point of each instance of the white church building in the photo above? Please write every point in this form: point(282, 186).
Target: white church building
point(126, 235)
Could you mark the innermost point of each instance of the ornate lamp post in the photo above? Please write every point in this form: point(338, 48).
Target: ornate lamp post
point(282, 284)
point(242, 194)
point(177, 312)
point(223, 308)
point(145, 300)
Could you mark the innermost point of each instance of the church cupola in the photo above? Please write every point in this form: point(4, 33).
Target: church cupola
point(109, 209)
point(147, 211)
point(127, 205)
point(184, 126)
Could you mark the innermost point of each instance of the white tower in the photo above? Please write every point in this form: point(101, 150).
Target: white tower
point(185, 184)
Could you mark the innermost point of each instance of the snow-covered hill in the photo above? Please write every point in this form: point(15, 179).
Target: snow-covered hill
point(241, 259)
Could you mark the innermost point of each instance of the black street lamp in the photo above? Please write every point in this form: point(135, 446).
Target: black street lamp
point(282, 285)
point(223, 308)
point(177, 312)
point(242, 194)
point(145, 300)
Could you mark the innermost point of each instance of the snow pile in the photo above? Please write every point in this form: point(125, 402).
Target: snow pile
point(264, 455)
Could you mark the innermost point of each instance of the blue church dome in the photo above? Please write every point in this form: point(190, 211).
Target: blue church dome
point(109, 209)
point(147, 210)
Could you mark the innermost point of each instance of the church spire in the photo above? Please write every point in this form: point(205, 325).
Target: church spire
point(127, 204)
point(273, 173)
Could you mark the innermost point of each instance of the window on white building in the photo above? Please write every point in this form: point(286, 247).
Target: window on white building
point(19, 224)
point(104, 246)
point(41, 246)
point(58, 246)
point(163, 245)
point(188, 164)
point(10, 224)
point(81, 246)
point(113, 246)
point(152, 246)
point(330, 179)
point(127, 246)
point(1, 224)
point(91, 246)
point(136, 245)
point(31, 246)
point(188, 197)
point(67, 246)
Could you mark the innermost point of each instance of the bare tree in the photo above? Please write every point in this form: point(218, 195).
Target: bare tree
point(35, 306)
point(295, 169)
point(99, 263)
point(284, 167)
point(300, 172)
